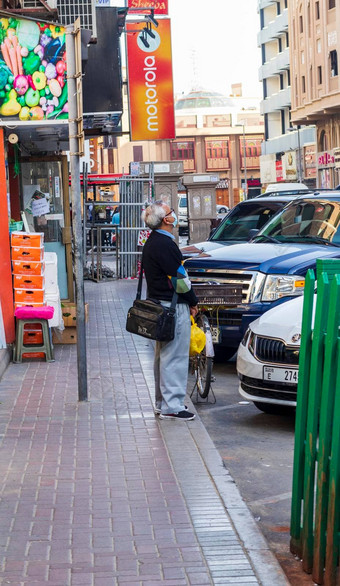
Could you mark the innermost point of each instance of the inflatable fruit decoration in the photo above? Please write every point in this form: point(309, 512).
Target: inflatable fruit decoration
point(50, 71)
point(36, 113)
point(60, 67)
point(55, 50)
point(31, 63)
point(55, 88)
point(24, 113)
point(39, 80)
point(32, 97)
point(11, 107)
point(3, 76)
point(21, 84)
point(28, 34)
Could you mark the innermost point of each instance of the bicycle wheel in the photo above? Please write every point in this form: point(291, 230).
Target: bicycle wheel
point(202, 363)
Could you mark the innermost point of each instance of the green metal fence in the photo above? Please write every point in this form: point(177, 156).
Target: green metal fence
point(315, 515)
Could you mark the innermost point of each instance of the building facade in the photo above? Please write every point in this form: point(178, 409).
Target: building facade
point(315, 44)
point(288, 151)
point(214, 134)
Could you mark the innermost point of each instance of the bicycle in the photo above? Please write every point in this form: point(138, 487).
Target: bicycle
point(211, 298)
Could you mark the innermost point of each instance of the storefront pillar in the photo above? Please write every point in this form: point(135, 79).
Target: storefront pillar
point(6, 288)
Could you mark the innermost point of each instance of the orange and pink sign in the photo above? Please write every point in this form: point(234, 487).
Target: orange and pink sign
point(150, 81)
point(158, 6)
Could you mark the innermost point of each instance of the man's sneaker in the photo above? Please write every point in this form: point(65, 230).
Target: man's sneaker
point(158, 411)
point(182, 415)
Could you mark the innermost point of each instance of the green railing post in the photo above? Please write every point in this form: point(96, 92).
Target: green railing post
point(313, 409)
point(325, 430)
point(301, 414)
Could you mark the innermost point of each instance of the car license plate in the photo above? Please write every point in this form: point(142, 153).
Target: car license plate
point(281, 375)
point(215, 334)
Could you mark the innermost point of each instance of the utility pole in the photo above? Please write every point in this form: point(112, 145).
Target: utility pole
point(76, 138)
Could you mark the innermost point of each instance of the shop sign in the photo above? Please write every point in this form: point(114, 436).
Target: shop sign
point(158, 6)
point(310, 162)
point(150, 82)
point(289, 166)
point(33, 71)
point(336, 154)
point(325, 160)
point(279, 171)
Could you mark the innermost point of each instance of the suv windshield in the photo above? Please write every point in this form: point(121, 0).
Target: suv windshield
point(306, 221)
point(243, 218)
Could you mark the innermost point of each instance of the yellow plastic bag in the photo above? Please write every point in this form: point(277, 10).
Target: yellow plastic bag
point(197, 338)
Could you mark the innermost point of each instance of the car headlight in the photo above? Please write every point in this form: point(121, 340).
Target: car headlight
point(245, 337)
point(277, 286)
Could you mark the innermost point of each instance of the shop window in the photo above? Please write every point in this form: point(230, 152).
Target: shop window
point(334, 63)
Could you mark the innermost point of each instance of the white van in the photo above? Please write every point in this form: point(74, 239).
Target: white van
point(277, 187)
point(182, 212)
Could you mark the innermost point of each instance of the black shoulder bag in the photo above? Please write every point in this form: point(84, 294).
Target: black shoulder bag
point(149, 318)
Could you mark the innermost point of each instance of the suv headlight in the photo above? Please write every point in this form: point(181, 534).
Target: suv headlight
point(277, 286)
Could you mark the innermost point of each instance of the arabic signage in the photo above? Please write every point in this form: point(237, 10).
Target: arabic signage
point(325, 160)
point(158, 6)
point(150, 82)
point(33, 70)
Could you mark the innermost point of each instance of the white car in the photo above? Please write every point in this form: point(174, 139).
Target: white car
point(268, 358)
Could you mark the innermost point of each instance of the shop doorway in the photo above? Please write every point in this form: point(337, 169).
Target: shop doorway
point(47, 178)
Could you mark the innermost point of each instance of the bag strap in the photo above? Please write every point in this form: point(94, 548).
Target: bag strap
point(139, 290)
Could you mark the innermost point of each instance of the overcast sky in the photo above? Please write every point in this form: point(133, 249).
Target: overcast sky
point(214, 44)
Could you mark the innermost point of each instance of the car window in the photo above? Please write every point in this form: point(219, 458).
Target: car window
point(182, 202)
point(307, 220)
point(243, 218)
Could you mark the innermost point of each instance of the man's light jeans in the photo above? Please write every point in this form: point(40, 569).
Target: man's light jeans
point(172, 363)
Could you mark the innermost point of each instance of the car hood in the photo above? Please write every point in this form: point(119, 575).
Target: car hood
point(268, 258)
point(194, 250)
point(283, 322)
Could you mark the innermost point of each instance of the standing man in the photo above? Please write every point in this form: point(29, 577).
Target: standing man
point(165, 273)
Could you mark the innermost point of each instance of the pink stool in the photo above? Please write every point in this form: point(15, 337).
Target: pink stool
point(33, 315)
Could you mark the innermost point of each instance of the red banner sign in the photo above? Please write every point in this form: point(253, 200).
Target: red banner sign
point(150, 82)
point(158, 6)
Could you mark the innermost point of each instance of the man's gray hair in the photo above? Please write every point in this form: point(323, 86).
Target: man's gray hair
point(154, 214)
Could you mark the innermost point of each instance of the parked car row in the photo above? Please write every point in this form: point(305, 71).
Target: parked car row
point(271, 251)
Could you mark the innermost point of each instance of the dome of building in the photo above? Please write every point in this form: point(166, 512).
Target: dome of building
point(203, 99)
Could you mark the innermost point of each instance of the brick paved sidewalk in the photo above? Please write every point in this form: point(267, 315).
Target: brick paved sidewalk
point(102, 493)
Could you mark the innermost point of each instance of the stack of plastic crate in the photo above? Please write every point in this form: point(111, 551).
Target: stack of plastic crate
point(29, 279)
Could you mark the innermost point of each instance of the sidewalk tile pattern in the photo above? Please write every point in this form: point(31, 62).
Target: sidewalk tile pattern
point(88, 493)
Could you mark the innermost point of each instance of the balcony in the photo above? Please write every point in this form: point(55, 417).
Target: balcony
point(273, 29)
point(289, 141)
point(277, 64)
point(277, 101)
point(264, 4)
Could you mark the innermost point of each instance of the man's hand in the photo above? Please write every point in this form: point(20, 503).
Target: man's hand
point(194, 311)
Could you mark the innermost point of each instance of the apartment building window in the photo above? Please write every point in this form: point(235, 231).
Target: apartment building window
point(280, 44)
point(317, 10)
point(278, 8)
point(217, 154)
point(281, 81)
point(331, 4)
point(301, 23)
point(288, 77)
point(318, 46)
point(334, 63)
point(286, 3)
point(319, 74)
point(303, 83)
point(287, 40)
point(183, 151)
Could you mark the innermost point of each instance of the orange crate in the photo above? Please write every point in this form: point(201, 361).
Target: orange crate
point(27, 239)
point(27, 254)
point(29, 282)
point(33, 355)
point(33, 335)
point(29, 295)
point(28, 268)
point(26, 304)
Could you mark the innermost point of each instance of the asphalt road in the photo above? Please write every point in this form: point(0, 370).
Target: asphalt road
point(257, 449)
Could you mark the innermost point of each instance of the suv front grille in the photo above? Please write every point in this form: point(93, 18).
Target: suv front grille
point(275, 351)
point(212, 276)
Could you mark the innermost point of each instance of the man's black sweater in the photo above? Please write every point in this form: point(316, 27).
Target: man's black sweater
point(164, 271)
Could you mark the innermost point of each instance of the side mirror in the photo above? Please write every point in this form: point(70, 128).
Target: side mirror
point(253, 232)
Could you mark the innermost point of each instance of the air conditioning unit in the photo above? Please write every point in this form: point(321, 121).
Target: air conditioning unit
point(70, 10)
